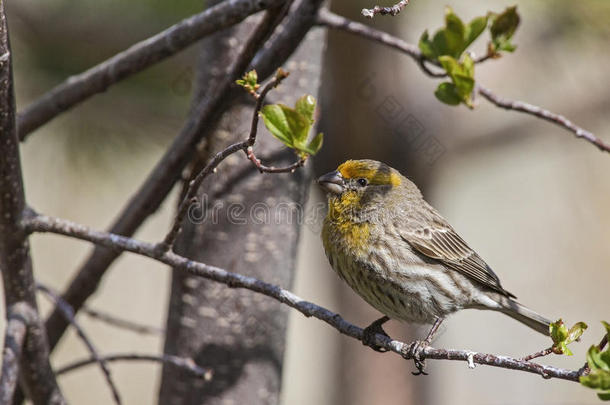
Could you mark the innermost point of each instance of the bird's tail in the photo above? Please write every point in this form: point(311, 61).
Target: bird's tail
point(526, 316)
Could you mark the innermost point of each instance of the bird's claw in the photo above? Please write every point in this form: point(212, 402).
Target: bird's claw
point(368, 335)
point(415, 353)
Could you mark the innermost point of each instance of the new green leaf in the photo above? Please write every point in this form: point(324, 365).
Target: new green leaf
point(562, 336)
point(315, 144)
point(306, 106)
point(503, 28)
point(558, 330)
point(426, 47)
point(599, 366)
point(292, 125)
point(453, 39)
point(462, 81)
point(576, 332)
point(473, 30)
point(276, 122)
point(598, 379)
point(249, 81)
point(454, 33)
point(447, 93)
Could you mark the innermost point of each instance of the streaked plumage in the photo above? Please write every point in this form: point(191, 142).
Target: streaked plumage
point(400, 255)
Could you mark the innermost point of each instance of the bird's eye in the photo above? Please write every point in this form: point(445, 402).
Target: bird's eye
point(362, 182)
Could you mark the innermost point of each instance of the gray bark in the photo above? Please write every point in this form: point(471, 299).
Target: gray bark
point(35, 371)
point(237, 333)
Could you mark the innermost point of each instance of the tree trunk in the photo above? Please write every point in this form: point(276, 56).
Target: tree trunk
point(250, 225)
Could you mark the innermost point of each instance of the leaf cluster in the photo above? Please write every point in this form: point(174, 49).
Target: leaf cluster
point(292, 125)
point(289, 125)
point(562, 337)
point(599, 364)
point(449, 44)
point(249, 82)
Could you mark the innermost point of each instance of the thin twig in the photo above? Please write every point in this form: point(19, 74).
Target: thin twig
point(541, 353)
point(122, 323)
point(543, 114)
point(136, 58)
point(272, 169)
point(488, 55)
point(328, 19)
point(40, 223)
point(181, 362)
point(393, 10)
point(422, 62)
point(190, 196)
point(68, 312)
point(275, 81)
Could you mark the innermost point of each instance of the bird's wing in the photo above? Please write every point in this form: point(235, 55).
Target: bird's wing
point(436, 239)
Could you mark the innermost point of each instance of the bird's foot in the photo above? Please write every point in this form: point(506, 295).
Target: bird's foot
point(368, 334)
point(415, 352)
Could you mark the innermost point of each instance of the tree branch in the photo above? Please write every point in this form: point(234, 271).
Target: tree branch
point(543, 114)
point(40, 223)
point(15, 262)
point(185, 364)
point(68, 313)
point(393, 10)
point(122, 323)
point(541, 353)
point(330, 20)
point(286, 38)
point(161, 179)
point(138, 57)
point(272, 169)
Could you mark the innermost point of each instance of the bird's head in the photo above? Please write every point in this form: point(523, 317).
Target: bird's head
point(358, 184)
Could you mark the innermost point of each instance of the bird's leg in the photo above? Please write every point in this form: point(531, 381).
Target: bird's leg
point(419, 346)
point(368, 334)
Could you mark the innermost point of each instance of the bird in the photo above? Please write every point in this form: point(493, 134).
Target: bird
point(402, 257)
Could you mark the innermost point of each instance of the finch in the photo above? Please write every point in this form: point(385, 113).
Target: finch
point(401, 256)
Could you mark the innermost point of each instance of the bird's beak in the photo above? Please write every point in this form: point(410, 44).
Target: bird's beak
point(332, 182)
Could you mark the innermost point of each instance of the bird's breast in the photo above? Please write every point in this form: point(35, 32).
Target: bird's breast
point(346, 235)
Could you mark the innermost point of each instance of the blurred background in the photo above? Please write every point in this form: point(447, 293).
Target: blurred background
point(528, 196)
